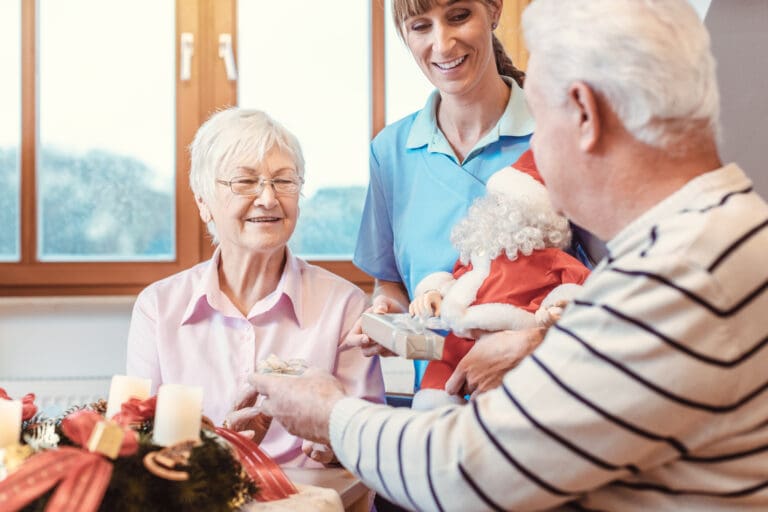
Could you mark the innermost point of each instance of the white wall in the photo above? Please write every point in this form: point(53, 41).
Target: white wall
point(739, 31)
point(64, 350)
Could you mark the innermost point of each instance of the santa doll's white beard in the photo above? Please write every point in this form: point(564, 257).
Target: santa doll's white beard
point(498, 223)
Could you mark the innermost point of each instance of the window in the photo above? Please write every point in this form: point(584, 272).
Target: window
point(97, 118)
point(99, 201)
point(318, 86)
point(10, 134)
point(406, 86)
point(105, 155)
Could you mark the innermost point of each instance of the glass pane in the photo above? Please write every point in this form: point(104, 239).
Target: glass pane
point(406, 86)
point(315, 80)
point(106, 158)
point(10, 128)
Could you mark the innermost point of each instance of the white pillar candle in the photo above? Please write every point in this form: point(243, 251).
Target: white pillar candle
point(123, 389)
point(10, 422)
point(177, 417)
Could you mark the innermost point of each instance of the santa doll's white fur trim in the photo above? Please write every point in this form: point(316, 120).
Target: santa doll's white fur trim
point(493, 317)
point(564, 293)
point(464, 290)
point(511, 182)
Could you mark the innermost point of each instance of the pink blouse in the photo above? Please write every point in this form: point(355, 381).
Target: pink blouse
point(184, 330)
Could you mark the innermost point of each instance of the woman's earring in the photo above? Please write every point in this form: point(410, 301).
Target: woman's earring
point(494, 25)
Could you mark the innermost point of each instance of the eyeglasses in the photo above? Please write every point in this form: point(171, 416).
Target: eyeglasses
point(254, 186)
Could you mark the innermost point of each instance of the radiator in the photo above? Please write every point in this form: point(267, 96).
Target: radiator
point(54, 396)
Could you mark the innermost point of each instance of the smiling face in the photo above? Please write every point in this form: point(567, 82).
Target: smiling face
point(261, 224)
point(452, 44)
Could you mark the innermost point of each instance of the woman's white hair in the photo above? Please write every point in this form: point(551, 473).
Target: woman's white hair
point(650, 59)
point(512, 224)
point(234, 137)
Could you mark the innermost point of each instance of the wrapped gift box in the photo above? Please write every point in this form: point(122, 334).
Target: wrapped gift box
point(404, 335)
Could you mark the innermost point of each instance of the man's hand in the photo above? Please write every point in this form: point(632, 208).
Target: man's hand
point(356, 338)
point(302, 404)
point(492, 356)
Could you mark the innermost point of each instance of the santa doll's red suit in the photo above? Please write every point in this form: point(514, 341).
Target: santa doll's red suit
point(502, 283)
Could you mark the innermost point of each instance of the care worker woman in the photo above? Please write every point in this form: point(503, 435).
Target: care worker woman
point(211, 324)
point(428, 168)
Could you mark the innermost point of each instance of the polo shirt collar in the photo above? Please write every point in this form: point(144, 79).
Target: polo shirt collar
point(207, 291)
point(516, 121)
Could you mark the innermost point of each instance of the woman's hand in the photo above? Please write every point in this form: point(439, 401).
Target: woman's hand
point(246, 416)
point(492, 356)
point(357, 338)
point(321, 453)
point(426, 305)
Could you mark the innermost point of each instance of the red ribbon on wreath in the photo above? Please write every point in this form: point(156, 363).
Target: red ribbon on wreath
point(273, 484)
point(28, 407)
point(82, 476)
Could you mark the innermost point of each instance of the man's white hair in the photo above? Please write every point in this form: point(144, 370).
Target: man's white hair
point(513, 224)
point(650, 59)
point(233, 137)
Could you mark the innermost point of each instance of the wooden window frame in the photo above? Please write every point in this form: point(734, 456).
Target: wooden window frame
point(195, 100)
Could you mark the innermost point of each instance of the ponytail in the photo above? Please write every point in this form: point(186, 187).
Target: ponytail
point(504, 64)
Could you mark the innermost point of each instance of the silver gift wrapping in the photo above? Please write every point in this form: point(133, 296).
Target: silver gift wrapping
point(403, 335)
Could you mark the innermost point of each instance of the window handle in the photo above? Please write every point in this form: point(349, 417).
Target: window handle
point(228, 55)
point(187, 50)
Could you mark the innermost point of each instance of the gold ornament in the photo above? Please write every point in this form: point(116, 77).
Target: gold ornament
point(106, 439)
point(163, 463)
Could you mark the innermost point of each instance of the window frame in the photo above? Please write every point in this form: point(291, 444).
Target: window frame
point(195, 100)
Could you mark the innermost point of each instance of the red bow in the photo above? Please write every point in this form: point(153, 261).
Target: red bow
point(83, 476)
point(136, 412)
point(28, 407)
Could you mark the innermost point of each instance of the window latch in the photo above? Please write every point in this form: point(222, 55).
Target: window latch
point(187, 49)
point(227, 54)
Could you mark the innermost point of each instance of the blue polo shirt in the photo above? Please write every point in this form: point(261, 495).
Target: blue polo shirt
point(419, 190)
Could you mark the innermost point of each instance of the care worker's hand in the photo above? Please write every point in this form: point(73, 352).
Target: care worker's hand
point(356, 338)
point(492, 356)
point(302, 404)
point(547, 316)
point(247, 417)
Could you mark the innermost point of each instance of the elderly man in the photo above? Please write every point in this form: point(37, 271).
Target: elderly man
point(650, 393)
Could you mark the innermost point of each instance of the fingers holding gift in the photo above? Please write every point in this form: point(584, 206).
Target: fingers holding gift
point(301, 404)
point(369, 348)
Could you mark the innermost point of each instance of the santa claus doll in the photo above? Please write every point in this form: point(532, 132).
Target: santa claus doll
point(512, 272)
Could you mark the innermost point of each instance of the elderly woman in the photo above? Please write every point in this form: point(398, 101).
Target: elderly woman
point(209, 325)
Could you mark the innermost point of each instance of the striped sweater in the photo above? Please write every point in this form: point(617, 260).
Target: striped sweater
point(651, 393)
